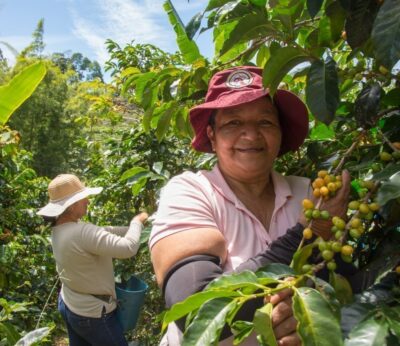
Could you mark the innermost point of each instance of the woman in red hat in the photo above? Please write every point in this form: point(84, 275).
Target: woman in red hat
point(212, 222)
point(83, 254)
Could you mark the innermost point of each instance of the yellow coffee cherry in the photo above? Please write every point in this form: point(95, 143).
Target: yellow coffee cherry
point(339, 223)
point(327, 179)
point(338, 184)
point(332, 187)
point(316, 193)
point(319, 182)
point(363, 208)
point(347, 250)
point(398, 269)
point(355, 222)
point(307, 233)
point(374, 206)
point(322, 174)
point(354, 205)
point(369, 184)
point(384, 156)
point(324, 191)
point(308, 204)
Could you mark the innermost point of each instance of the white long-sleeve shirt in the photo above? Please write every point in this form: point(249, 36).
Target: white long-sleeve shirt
point(83, 254)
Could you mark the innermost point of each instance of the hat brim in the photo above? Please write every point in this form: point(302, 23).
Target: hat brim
point(53, 209)
point(293, 118)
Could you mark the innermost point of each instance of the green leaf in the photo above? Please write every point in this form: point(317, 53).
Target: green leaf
point(389, 190)
point(392, 98)
point(387, 172)
point(359, 21)
point(322, 90)
point(300, 257)
point(250, 26)
point(11, 333)
point(241, 330)
point(342, 288)
point(234, 281)
point(33, 336)
point(13, 94)
point(207, 325)
point(259, 3)
point(132, 172)
point(280, 63)
point(370, 332)
point(165, 120)
point(313, 7)
point(322, 132)
point(192, 303)
point(386, 32)
point(337, 16)
point(318, 325)
point(263, 324)
point(188, 48)
point(366, 106)
point(194, 24)
point(275, 270)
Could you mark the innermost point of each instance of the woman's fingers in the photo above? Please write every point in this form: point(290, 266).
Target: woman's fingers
point(281, 312)
point(142, 217)
point(290, 340)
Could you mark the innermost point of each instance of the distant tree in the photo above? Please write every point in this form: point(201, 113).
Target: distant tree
point(36, 48)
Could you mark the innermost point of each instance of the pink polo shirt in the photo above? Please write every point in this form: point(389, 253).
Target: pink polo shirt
point(204, 199)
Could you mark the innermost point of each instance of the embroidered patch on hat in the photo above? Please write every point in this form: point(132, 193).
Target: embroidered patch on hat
point(239, 79)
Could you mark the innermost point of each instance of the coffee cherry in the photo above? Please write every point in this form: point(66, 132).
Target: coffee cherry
point(308, 213)
point(376, 167)
point(332, 187)
point(325, 214)
point(355, 222)
point(338, 184)
point(339, 223)
point(354, 205)
point(322, 174)
point(306, 268)
point(347, 259)
point(322, 246)
point(336, 246)
point(374, 206)
point(316, 214)
point(307, 233)
point(385, 156)
point(363, 208)
point(307, 204)
point(355, 233)
point(398, 269)
point(331, 265)
point(316, 193)
point(396, 155)
point(369, 184)
point(324, 191)
point(347, 250)
point(338, 235)
point(327, 255)
point(318, 183)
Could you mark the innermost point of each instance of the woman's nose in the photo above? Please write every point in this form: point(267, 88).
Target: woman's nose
point(251, 131)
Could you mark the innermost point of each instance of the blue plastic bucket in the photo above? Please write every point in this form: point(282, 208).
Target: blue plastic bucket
point(130, 296)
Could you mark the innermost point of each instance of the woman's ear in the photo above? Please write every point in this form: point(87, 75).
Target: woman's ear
point(211, 136)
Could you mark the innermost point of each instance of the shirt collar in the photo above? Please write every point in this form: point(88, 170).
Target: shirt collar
point(281, 187)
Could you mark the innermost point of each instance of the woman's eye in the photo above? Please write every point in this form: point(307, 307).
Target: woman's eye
point(233, 123)
point(266, 123)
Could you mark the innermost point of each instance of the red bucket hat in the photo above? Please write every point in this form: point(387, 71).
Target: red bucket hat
point(238, 85)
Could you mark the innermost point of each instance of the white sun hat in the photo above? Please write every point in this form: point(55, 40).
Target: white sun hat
point(64, 190)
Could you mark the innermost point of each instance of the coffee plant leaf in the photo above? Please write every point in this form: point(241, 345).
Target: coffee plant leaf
point(241, 330)
point(10, 332)
point(235, 281)
point(360, 21)
point(280, 63)
point(313, 7)
point(33, 336)
point(322, 90)
point(263, 324)
point(369, 332)
point(208, 323)
point(193, 303)
point(194, 24)
point(318, 324)
point(300, 257)
point(275, 270)
point(342, 288)
point(367, 106)
point(390, 189)
point(386, 32)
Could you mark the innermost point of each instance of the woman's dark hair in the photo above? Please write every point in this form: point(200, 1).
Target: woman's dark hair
point(50, 220)
point(211, 120)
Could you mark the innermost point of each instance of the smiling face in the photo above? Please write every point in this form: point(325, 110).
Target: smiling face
point(246, 139)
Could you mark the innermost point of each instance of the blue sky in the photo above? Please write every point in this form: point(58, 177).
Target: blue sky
point(84, 25)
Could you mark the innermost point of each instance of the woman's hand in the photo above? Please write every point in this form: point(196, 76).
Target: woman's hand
point(336, 206)
point(142, 217)
point(283, 321)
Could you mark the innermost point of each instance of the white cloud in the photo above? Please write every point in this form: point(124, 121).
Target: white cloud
point(123, 21)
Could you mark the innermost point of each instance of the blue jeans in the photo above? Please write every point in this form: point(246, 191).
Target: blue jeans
point(88, 331)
